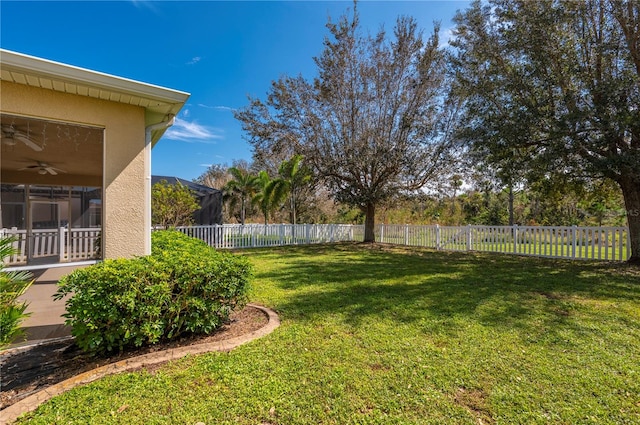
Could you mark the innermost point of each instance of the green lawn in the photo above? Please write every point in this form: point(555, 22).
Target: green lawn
point(389, 335)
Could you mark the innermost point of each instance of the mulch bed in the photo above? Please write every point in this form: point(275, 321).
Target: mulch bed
point(25, 372)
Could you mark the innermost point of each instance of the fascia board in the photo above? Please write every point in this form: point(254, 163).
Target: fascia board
point(30, 65)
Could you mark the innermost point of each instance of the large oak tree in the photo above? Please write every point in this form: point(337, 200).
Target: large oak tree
point(371, 125)
point(554, 87)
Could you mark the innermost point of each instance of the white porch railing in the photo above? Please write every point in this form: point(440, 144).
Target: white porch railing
point(64, 244)
point(594, 243)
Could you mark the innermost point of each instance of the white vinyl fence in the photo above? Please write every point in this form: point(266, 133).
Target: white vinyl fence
point(260, 235)
point(598, 243)
point(64, 244)
point(574, 242)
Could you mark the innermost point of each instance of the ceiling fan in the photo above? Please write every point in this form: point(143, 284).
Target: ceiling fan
point(43, 168)
point(10, 136)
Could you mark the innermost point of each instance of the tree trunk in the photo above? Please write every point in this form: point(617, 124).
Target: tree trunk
point(631, 193)
point(369, 223)
point(293, 215)
point(511, 220)
point(293, 210)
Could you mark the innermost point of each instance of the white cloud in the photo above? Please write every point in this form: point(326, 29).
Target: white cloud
point(219, 108)
point(146, 4)
point(192, 132)
point(194, 60)
point(445, 36)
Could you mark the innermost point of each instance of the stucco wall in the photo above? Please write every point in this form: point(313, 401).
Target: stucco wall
point(123, 196)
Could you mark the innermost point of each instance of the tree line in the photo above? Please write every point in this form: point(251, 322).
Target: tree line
point(481, 201)
point(531, 103)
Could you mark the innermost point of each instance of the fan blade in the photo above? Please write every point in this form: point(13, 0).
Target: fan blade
point(8, 139)
point(51, 171)
point(30, 167)
point(28, 142)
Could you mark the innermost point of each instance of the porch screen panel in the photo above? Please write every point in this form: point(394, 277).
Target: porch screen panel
point(13, 206)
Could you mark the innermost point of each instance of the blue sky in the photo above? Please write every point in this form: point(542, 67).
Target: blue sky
point(220, 52)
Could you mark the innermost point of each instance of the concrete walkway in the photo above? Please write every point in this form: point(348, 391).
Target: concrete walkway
point(46, 319)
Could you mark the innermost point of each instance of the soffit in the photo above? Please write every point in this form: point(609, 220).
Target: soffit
point(42, 73)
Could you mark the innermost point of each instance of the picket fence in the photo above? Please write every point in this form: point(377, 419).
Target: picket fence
point(573, 242)
point(237, 236)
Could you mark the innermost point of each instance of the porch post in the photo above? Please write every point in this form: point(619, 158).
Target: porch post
point(61, 244)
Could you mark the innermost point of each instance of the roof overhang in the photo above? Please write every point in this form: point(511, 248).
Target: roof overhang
point(159, 102)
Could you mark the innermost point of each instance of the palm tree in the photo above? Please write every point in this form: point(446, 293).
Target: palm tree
point(242, 185)
point(293, 176)
point(268, 197)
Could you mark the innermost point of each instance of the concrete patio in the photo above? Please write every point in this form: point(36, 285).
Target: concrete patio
point(45, 321)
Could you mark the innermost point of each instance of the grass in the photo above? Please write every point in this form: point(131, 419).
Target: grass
point(384, 335)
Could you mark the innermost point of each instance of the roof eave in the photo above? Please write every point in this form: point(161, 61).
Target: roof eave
point(160, 101)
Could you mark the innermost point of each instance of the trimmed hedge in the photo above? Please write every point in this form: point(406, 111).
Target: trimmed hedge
point(183, 287)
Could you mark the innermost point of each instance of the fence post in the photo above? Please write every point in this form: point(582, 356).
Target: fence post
point(253, 236)
point(61, 244)
point(381, 233)
point(406, 235)
point(468, 237)
point(515, 238)
point(438, 237)
point(331, 226)
point(620, 244)
point(574, 241)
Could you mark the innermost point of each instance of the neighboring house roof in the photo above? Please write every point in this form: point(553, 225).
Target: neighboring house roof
point(159, 102)
point(199, 189)
point(210, 200)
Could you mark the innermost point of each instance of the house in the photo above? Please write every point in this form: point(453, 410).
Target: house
point(209, 199)
point(75, 156)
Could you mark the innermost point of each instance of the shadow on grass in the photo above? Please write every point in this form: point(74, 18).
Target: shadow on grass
point(412, 284)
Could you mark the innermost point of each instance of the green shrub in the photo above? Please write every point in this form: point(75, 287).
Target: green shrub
point(172, 240)
point(184, 287)
point(172, 205)
point(12, 285)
